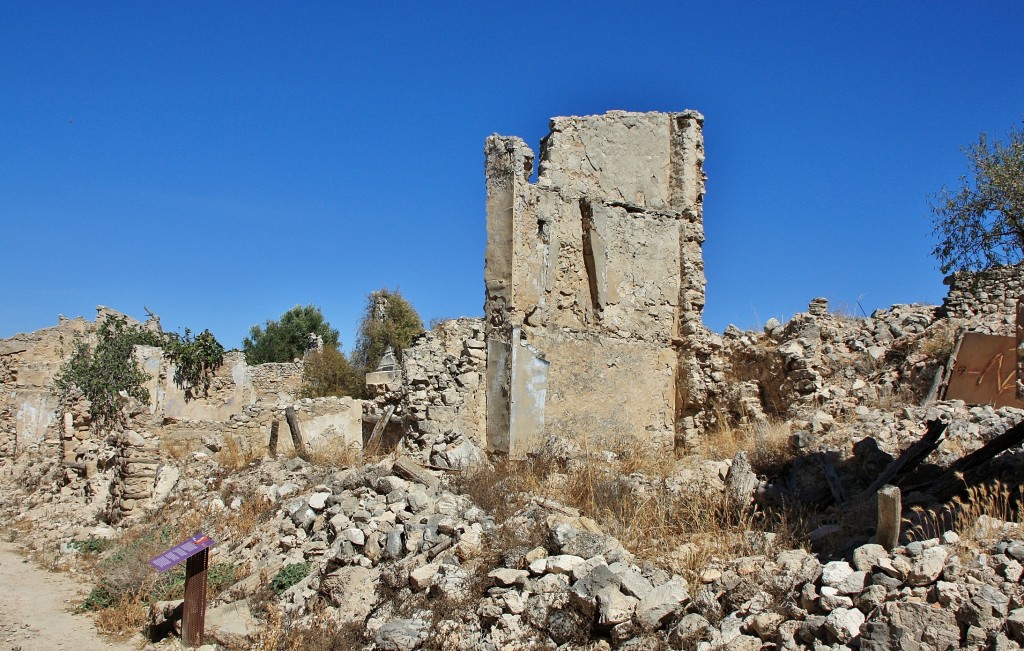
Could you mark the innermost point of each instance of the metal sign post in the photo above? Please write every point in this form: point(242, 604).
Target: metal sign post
point(193, 618)
point(195, 551)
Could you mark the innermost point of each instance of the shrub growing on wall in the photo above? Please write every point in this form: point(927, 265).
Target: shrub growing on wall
point(388, 320)
point(108, 375)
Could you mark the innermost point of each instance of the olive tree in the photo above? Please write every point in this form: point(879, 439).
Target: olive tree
point(288, 338)
point(981, 223)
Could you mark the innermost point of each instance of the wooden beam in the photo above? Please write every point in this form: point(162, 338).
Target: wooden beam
point(293, 425)
point(910, 459)
point(378, 428)
point(272, 446)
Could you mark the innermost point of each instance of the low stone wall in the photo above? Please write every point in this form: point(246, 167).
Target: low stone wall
point(136, 466)
point(988, 298)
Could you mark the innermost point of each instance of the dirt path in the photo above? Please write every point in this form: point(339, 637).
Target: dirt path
point(35, 610)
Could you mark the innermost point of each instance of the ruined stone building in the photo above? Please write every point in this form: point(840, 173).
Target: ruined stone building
point(594, 280)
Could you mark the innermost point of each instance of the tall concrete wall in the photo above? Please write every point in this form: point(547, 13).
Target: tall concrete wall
point(594, 278)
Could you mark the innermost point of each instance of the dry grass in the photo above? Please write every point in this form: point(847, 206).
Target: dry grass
point(336, 453)
point(178, 449)
point(629, 493)
point(978, 515)
point(767, 444)
point(250, 515)
point(233, 456)
point(17, 528)
point(318, 631)
point(127, 616)
point(938, 341)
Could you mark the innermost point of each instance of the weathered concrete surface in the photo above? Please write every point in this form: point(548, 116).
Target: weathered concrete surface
point(231, 390)
point(597, 267)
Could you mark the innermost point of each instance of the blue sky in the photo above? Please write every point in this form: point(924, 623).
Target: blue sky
point(220, 163)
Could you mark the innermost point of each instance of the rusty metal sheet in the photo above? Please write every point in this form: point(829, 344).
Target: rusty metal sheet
point(193, 619)
point(985, 371)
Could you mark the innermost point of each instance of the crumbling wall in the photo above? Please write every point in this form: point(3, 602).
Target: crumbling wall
point(987, 298)
point(28, 363)
point(594, 280)
point(231, 389)
point(276, 380)
point(821, 366)
point(243, 400)
point(436, 398)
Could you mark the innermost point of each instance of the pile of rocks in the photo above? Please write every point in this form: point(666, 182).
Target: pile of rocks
point(586, 587)
point(932, 594)
point(821, 361)
point(367, 518)
point(440, 404)
point(582, 589)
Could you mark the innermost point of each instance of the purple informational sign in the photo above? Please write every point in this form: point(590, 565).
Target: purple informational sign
point(180, 552)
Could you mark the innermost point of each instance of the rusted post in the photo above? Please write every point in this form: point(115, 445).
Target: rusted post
point(272, 448)
point(293, 425)
point(889, 516)
point(193, 619)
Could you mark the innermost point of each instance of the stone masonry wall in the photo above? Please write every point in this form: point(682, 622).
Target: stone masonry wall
point(28, 363)
point(594, 279)
point(438, 396)
point(987, 298)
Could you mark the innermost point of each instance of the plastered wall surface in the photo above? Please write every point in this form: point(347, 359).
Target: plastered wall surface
point(597, 269)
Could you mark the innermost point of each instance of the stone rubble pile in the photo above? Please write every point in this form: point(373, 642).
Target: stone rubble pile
point(822, 362)
point(931, 594)
point(580, 589)
point(439, 406)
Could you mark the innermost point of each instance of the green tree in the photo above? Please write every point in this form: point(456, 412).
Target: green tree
point(388, 320)
point(195, 360)
point(981, 223)
point(287, 339)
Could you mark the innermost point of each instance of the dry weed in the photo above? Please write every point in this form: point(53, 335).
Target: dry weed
point(250, 515)
point(271, 632)
point(233, 456)
point(318, 631)
point(628, 492)
point(938, 341)
point(767, 444)
point(178, 449)
point(978, 515)
point(336, 453)
point(125, 617)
